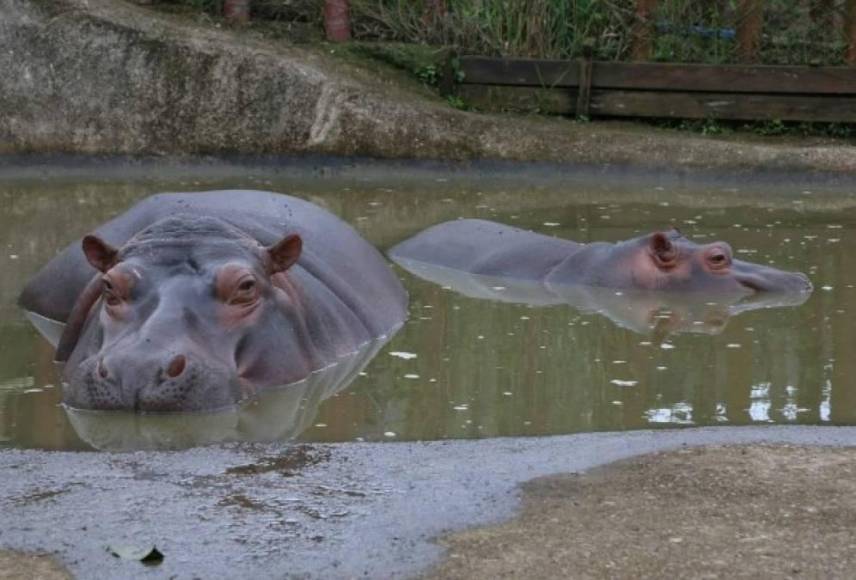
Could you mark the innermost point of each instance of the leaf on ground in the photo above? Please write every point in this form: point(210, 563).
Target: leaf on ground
point(144, 554)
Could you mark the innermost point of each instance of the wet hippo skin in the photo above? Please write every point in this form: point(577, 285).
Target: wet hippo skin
point(544, 268)
point(195, 301)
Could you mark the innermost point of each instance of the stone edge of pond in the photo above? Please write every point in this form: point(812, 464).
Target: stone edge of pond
point(430, 174)
point(365, 509)
point(111, 77)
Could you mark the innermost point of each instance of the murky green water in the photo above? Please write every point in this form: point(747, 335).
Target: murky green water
point(486, 368)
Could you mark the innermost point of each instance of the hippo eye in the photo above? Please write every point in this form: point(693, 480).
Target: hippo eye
point(246, 292)
point(718, 260)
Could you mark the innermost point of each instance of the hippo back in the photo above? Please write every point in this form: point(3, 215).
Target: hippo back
point(485, 248)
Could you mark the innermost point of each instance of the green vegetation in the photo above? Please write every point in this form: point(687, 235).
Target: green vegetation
point(413, 36)
point(686, 30)
point(763, 128)
point(422, 61)
point(795, 32)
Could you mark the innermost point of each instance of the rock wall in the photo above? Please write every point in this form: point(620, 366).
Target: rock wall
point(110, 77)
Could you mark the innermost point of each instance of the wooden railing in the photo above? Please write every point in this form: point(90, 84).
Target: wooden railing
point(644, 89)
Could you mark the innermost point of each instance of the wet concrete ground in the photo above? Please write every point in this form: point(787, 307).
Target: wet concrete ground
point(345, 510)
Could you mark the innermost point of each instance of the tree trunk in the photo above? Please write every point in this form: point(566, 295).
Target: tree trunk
point(236, 11)
point(850, 32)
point(643, 30)
point(337, 20)
point(750, 21)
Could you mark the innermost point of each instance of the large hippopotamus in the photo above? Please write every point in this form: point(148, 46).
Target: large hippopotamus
point(491, 260)
point(194, 301)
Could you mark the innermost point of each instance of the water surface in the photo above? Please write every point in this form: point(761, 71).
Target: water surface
point(465, 367)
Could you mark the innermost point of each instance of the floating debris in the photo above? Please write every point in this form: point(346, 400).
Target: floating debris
point(621, 383)
point(402, 354)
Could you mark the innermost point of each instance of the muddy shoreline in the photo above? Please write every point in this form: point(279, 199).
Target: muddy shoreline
point(366, 509)
point(734, 512)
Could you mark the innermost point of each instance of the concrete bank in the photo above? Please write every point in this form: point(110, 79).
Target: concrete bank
point(112, 77)
point(342, 510)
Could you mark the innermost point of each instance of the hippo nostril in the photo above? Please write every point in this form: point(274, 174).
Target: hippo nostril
point(176, 366)
point(102, 370)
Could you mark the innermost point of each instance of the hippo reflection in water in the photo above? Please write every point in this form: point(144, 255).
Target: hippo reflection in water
point(195, 301)
point(657, 282)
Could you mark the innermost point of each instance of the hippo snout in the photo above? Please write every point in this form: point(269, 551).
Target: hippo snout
point(163, 383)
point(763, 279)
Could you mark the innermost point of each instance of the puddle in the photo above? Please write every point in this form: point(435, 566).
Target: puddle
point(467, 367)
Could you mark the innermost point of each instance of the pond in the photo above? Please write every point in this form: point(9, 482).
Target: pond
point(465, 367)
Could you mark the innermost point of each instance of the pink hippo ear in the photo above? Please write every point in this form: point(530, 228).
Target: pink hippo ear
point(99, 253)
point(662, 247)
point(284, 253)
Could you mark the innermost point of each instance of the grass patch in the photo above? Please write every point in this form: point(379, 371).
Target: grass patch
point(714, 127)
point(686, 30)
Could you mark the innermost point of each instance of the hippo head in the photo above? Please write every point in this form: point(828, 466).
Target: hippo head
point(186, 316)
point(669, 261)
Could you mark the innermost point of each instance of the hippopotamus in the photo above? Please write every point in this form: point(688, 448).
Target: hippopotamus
point(492, 260)
point(197, 301)
point(642, 311)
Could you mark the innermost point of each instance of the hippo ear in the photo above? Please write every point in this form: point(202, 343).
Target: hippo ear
point(662, 247)
point(284, 253)
point(99, 253)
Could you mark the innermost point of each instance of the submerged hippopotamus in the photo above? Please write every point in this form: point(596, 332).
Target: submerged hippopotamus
point(658, 261)
point(194, 301)
point(643, 311)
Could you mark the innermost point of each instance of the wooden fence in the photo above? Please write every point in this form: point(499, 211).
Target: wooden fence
point(643, 89)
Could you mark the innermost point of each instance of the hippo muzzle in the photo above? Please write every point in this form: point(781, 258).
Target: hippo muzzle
point(757, 278)
point(162, 382)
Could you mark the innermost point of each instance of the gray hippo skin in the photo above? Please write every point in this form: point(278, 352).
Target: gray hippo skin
point(195, 301)
point(631, 282)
